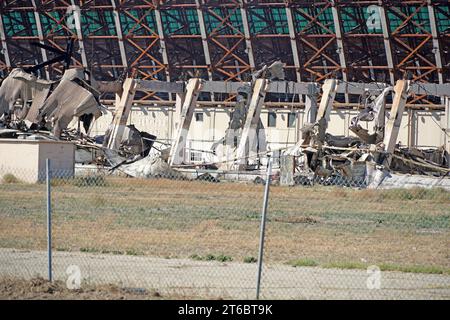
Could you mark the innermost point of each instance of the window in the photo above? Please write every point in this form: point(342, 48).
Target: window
point(199, 117)
point(272, 119)
point(196, 156)
point(291, 120)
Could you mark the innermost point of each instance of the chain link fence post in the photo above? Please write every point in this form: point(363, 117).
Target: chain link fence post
point(49, 220)
point(263, 226)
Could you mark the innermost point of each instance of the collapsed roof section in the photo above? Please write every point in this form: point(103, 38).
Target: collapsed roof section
point(27, 102)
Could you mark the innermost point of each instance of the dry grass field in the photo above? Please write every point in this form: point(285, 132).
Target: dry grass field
point(405, 230)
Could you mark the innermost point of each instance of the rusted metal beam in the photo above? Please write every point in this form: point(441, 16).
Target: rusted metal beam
point(293, 38)
point(118, 26)
point(436, 45)
point(201, 22)
point(77, 19)
point(248, 41)
point(387, 43)
point(162, 42)
point(340, 45)
point(37, 17)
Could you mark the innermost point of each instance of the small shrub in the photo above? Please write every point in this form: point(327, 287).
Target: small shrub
point(250, 260)
point(196, 257)
point(210, 257)
point(10, 178)
point(133, 252)
point(224, 258)
point(88, 249)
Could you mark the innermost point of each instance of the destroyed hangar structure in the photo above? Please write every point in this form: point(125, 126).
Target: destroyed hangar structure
point(317, 56)
point(358, 41)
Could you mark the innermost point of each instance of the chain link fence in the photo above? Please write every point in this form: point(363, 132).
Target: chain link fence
point(197, 236)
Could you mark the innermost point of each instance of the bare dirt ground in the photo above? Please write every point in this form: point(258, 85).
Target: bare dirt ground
point(41, 289)
point(185, 278)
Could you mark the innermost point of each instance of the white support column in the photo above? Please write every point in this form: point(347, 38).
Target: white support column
point(179, 142)
point(118, 26)
point(340, 45)
point(4, 43)
point(37, 18)
point(123, 109)
point(311, 105)
point(249, 132)
point(180, 97)
point(201, 22)
point(412, 128)
point(395, 119)
point(162, 42)
point(77, 20)
point(447, 128)
point(381, 119)
point(248, 41)
point(329, 89)
point(292, 36)
point(387, 43)
point(436, 46)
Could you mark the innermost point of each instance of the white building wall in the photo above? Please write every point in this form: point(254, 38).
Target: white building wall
point(159, 121)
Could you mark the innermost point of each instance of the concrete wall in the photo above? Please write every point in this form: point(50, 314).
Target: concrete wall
point(419, 128)
point(26, 159)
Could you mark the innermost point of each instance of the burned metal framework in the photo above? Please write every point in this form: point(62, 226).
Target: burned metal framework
point(359, 41)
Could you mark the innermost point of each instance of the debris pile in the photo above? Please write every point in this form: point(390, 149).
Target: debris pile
point(361, 161)
point(30, 104)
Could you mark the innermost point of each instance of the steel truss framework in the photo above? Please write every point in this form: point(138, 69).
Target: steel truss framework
point(352, 40)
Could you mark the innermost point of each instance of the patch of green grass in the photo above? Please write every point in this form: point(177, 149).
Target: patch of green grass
point(303, 263)
point(132, 252)
point(345, 265)
point(415, 269)
point(250, 260)
point(389, 267)
point(10, 178)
